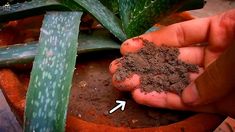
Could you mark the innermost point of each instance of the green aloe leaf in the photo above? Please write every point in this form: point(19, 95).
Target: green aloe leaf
point(29, 8)
point(95, 7)
point(99, 40)
point(139, 15)
point(51, 77)
point(112, 5)
point(18, 54)
point(104, 16)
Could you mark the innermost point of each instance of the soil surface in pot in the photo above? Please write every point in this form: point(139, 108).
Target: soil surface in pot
point(93, 96)
point(158, 67)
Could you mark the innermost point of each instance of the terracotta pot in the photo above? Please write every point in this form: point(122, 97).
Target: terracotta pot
point(14, 87)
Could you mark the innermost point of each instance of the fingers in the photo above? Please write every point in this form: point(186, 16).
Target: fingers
point(169, 101)
point(131, 46)
point(217, 30)
point(160, 100)
point(177, 35)
point(193, 76)
point(133, 82)
point(216, 82)
point(181, 34)
point(192, 55)
point(128, 84)
point(114, 66)
point(221, 32)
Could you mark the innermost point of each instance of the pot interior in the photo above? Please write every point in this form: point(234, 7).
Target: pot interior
point(93, 96)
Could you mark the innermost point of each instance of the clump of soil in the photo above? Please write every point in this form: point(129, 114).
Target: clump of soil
point(159, 68)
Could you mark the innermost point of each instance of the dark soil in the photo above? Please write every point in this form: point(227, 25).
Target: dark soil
point(159, 68)
point(93, 96)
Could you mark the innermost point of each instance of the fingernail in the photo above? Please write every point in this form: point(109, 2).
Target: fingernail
point(190, 94)
point(131, 45)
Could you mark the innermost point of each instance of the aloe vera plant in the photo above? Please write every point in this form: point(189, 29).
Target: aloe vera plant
point(136, 15)
point(51, 77)
point(50, 81)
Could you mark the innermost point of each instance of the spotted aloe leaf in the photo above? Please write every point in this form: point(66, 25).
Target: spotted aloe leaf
point(104, 16)
point(139, 15)
point(99, 40)
point(51, 77)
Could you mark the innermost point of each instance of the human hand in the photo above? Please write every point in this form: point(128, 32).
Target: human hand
point(213, 88)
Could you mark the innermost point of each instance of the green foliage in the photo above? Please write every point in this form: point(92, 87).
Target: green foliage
point(112, 5)
point(104, 16)
point(28, 8)
point(17, 54)
point(98, 40)
point(51, 77)
point(139, 15)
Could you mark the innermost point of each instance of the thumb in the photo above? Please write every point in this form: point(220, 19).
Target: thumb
point(217, 81)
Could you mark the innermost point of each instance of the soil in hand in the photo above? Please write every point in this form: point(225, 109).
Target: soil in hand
point(93, 96)
point(158, 67)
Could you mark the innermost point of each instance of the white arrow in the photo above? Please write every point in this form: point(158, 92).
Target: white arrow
point(121, 104)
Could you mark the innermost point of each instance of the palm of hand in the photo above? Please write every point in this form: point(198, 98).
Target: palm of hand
point(216, 31)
